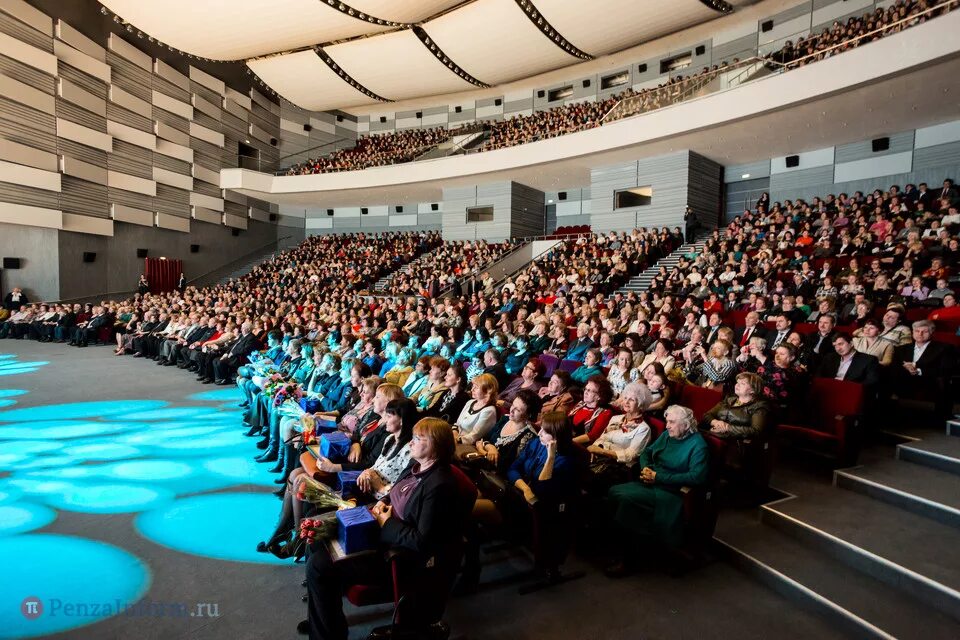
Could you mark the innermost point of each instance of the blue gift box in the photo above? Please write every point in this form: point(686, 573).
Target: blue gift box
point(335, 446)
point(325, 425)
point(310, 405)
point(358, 530)
point(348, 484)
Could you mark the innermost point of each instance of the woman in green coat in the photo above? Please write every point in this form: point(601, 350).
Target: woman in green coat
point(650, 508)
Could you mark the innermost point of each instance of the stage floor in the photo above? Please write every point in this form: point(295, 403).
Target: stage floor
point(127, 486)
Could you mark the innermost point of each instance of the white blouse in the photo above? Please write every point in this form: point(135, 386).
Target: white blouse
point(389, 469)
point(475, 425)
point(627, 444)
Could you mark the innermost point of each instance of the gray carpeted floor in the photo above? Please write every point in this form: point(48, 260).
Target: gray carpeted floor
point(263, 601)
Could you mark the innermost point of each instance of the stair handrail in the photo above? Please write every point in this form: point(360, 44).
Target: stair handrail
point(240, 260)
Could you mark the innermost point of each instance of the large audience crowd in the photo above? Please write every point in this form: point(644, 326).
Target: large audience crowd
point(552, 387)
point(405, 146)
point(454, 266)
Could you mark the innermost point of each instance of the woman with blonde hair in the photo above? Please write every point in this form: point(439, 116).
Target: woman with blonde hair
point(478, 415)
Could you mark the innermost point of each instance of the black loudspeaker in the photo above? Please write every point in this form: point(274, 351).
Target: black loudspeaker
point(642, 68)
point(586, 83)
point(273, 217)
point(308, 128)
point(498, 102)
point(541, 93)
point(793, 161)
point(11, 263)
point(273, 141)
point(142, 253)
point(329, 212)
point(699, 51)
point(383, 119)
point(339, 118)
point(194, 248)
point(89, 256)
point(399, 209)
point(457, 109)
point(562, 195)
point(766, 26)
point(235, 232)
point(435, 207)
point(880, 144)
point(364, 211)
point(419, 115)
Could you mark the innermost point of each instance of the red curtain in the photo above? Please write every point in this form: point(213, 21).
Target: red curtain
point(162, 274)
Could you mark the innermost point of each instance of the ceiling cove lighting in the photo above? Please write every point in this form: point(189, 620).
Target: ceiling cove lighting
point(337, 69)
point(438, 53)
point(547, 29)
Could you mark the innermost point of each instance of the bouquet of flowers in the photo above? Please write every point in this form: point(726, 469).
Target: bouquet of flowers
point(292, 409)
point(322, 527)
point(322, 496)
point(287, 391)
point(272, 383)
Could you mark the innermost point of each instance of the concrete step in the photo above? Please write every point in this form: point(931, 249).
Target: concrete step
point(940, 452)
point(859, 604)
point(953, 428)
point(912, 487)
point(916, 554)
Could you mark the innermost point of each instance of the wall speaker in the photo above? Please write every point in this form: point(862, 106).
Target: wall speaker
point(364, 211)
point(457, 109)
point(383, 119)
point(562, 195)
point(541, 93)
point(11, 263)
point(308, 127)
point(699, 51)
point(880, 144)
point(235, 232)
point(642, 68)
point(273, 217)
point(142, 253)
point(273, 141)
point(793, 161)
point(339, 118)
point(766, 26)
point(419, 115)
point(435, 206)
point(586, 83)
point(399, 209)
point(194, 248)
point(498, 102)
point(329, 212)
point(89, 256)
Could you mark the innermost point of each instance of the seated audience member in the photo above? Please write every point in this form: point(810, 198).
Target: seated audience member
point(528, 379)
point(868, 341)
point(949, 312)
point(650, 509)
point(820, 344)
point(622, 371)
point(478, 415)
point(659, 387)
point(420, 515)
point(741, 415)
point(435, 388)
point(751, 328)
point(418, 378)
point(452, 402)
point(590, 417)
point(894, 330)
point(399, 417)
point(402, 369)
point(846, 363)
point(590, 367)
point(617, 448)
point(660, 355)
point(579, 347)
point(556, 394)
point(494, 367)
point(512, 432)
point(924, 365)
point(717, 366)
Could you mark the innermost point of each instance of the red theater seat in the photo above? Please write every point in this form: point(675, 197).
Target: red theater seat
point(550, 364)
point(699, 399)
point(833, 422)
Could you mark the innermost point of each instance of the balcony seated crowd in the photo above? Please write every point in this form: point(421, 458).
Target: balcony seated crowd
point(456, 265)
point(404, 146)
point(554, 392)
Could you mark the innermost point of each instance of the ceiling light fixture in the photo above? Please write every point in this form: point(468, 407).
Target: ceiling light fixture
point(539, 21)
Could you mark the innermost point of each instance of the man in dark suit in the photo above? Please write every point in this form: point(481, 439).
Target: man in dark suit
point(846, 363)
point(579, 347)
point(779, 335)
point(751, 329)
point(820, 344)
point(713, 328)
point(84, 333)
point(924, 365)
point(225, 365)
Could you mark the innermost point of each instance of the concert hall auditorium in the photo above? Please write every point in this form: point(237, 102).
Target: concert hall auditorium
point(479, 319)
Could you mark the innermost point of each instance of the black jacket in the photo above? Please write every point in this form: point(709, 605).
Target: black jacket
point(936, 361)
point(431, 515)
point(864, 368)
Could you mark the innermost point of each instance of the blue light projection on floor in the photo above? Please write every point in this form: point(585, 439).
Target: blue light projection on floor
point(146, 457)
point(10, 365)
point(212, 525)
point(57, 570)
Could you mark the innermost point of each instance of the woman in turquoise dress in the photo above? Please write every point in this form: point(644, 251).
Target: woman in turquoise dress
point(650, 508)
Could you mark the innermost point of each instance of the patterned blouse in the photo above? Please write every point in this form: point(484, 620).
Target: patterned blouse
point(391, 463)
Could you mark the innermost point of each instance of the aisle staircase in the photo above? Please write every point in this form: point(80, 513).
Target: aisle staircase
point(642, 281)
point(878, 552)
point(381, 285)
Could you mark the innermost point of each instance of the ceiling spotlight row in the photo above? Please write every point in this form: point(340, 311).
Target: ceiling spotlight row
point(547, 29)
point(718, 5)
point(442, 57)
point(143, 36)
point(343, 75)
point(360, 15)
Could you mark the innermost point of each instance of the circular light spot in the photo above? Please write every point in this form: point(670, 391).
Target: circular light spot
point(108, 498)
point(74, 410)
point(98, 574)
point(58, 430)
point(30, 446)
point(7, 403)
point(226, 526)
point(11, 393)
point(242, 469)
point(102, 451)
point(17, 518)
point(230, 393)
point(9, 493)
point(171, 413)
point(148, 470)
